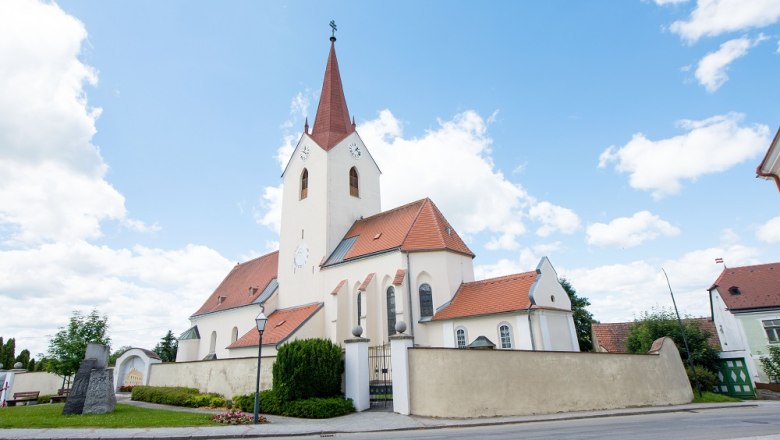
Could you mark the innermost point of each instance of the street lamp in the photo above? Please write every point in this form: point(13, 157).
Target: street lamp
point(260, 321)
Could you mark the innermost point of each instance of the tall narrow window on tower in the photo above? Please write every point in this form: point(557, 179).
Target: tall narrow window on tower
point(354, 190)
point(426, 301)
point(304, 183)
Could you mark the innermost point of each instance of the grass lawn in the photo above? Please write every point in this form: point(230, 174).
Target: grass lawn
point(125, 416)
point(710, 397)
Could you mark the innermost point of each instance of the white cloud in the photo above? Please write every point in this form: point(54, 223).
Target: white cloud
point(554, 218)
point(527, 260)
point(630, 231)
point(715, 17)
point(452, 165)
point(711, 71)
point(710, 146)
point(621, 292)
point(769, 232)
point(125, 284)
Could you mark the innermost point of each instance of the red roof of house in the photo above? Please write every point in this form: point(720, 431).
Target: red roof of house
point(332, 123)
point(233, 291)
point(281, 325)
point(759, 286)
point(613, 336)
point(417, 226)
point(495, 295)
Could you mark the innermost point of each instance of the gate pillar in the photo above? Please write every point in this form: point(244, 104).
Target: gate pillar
point(356, 372)
point(399, 345)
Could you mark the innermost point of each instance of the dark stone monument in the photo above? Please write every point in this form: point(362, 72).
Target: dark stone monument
point(93, 388)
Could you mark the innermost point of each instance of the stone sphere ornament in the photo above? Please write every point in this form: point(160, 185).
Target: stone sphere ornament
point(18, 366)
point(400, 326)
point(357, 331)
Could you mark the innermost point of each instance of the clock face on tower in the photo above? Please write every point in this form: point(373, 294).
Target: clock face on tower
point(301, 255)
point(305, 152)
point(355, 151)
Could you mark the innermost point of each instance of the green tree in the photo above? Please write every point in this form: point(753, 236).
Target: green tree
point(582, 317)
point(659, 323)
point(9, 353)
point(771, 364)
point(307, 368)
point(167, 347)
point(23, 358)
point(69, 345)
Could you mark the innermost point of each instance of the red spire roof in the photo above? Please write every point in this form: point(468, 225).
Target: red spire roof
point(332, 123)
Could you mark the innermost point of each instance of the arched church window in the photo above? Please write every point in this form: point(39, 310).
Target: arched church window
point(213, 343)
point(390, 311)
point(234, 335)
point(304, 183)
point(359, 306)
point(354, 189)
point(426, 300)
point(505, 335)
point(460, 337)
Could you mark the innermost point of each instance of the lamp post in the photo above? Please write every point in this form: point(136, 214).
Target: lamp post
point(260, 321)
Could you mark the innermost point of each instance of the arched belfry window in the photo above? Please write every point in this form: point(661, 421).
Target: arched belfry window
point(426, 300)
point(304, 183)
point(354, 188)
point(359, 306)
point(390, 311)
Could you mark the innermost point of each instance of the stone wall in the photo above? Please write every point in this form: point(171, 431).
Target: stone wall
point(45, 383)
point(447, 382)
point(228, 377)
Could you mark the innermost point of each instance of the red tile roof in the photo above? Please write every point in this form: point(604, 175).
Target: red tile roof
point(613, 336)
point(332, 123)
point(338, 287)
point(495, 295)
point(366, 282)
point(234, 289)
point(417, 226)
point(281, 325)
point(759, 286)
point(399, 277)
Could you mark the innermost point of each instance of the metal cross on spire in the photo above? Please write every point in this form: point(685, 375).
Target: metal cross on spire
point(333, 30)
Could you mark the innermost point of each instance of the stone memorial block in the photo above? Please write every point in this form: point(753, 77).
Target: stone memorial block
point(78, 391)
point(99, 352)
point(100, 392)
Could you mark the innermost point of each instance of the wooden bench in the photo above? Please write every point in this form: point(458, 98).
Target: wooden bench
point(25, 397)
point(62, 395)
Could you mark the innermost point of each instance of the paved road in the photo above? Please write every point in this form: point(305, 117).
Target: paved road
point(734, 423)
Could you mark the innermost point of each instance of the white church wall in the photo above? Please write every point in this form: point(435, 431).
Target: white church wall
point(547, 290)
point(559, 331)
point(486, 325)
point(222, 324)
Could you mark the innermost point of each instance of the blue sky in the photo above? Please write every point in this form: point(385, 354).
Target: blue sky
point(143, 142)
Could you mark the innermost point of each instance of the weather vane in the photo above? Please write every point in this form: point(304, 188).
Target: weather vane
point(333, 30)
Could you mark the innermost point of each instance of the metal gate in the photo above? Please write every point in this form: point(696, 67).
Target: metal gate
point(380, 376)
point(734, 379)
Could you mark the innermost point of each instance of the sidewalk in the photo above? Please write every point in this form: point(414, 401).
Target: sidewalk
point(367, 421)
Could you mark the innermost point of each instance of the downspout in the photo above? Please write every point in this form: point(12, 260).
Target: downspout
point(409, 293)
point(531, 327)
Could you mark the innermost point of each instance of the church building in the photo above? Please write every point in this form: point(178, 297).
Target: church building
point(343, 262)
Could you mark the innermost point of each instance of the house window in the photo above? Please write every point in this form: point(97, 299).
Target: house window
point(460, 337)
point(354, 189)
point(390, 311)
point(772, 329)
point(505, 335)
point(234, 335)
point(213, 343)
point(426, 301)
point(304, 183)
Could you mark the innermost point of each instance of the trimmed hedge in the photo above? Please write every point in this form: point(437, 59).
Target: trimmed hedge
point(177, 396)
point(307, 368)
point(313, 408)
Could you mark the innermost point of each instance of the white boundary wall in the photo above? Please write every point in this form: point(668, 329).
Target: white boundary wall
point(447, 382)
point(228, 377)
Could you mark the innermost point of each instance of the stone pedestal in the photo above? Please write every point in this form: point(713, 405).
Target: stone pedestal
point(93, 388)
point(100, 393)
point(356, 372)
point(399, 346)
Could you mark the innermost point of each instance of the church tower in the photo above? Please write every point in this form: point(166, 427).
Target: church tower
point(330, 182)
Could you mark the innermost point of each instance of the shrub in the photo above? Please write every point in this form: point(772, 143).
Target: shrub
point(313, 408)
point(237, 418)
point(707, 379)
point(771, 364)
point(307, 368)
point(177, 396)
point(126, 388)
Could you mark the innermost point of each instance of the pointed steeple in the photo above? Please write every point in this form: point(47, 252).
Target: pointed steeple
point(332, 123)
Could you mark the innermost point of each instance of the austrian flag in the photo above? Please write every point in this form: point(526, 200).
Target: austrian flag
point(718, 260)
